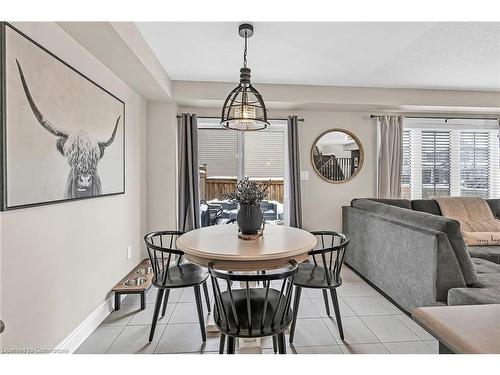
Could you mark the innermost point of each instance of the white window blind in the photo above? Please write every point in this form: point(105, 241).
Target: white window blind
point(435, 164)
point(450, 158)
point(474, 164)
point(218, 149)
point(264, 154)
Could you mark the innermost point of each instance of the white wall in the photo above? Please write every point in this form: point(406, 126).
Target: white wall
point(59, 262)
point(321, 200)
point(162, 166)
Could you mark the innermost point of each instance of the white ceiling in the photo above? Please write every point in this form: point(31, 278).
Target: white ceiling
point(464, 56)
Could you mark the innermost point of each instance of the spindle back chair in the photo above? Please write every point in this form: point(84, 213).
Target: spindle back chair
point(251, 312)
point(171, 270)
point(322, 273)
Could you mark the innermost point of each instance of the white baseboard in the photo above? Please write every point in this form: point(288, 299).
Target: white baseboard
point(85, 328)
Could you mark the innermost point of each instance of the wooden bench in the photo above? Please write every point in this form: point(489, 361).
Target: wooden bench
point(137, 281)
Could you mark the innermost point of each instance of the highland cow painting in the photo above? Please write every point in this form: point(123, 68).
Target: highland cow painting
point(63, 135)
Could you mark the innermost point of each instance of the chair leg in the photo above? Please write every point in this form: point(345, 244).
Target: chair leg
point(335, 301)
point(296, 302)
point(207, 297)
point(327, 305)
point(165, 301)
point(231, 345)
point(222, 342)
point(199, 307)
point(281, 343)
point(159, 297)
point(275, 344)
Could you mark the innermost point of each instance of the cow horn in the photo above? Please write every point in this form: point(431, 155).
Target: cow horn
point(43, 121)
point(103, 145)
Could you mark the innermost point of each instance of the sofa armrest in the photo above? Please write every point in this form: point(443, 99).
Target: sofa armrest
point(414, 266)
point(433, 222)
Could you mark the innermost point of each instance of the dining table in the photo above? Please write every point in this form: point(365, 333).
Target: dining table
point(221, 245)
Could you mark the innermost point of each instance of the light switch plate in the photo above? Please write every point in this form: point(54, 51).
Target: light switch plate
point(304, 175)
point(129, 252)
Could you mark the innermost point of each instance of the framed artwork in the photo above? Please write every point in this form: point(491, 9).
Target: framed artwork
point(62, 135)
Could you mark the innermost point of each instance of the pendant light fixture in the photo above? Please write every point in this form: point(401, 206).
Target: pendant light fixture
point(244, 108)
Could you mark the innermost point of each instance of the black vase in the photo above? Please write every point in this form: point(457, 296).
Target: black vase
point(249, 218)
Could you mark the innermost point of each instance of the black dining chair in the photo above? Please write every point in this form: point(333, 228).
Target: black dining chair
point(322, 274)
point(171, 270)
point(252, 312)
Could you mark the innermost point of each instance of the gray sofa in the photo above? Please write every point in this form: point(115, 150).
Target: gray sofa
point(418, 257)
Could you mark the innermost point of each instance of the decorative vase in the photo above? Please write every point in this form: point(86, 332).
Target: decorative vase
point(249, 218)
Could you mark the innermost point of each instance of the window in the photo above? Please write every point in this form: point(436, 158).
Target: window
point(474, 164)
point(435, 164)
point(450, 158)
point(225, 156)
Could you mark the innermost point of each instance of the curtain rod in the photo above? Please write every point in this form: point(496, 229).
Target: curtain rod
point(271, 119)
point(445, 117)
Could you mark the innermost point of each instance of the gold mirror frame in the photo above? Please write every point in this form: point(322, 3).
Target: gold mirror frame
point(361, 154)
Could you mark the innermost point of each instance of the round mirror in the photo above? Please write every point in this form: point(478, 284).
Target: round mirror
point(337, 155)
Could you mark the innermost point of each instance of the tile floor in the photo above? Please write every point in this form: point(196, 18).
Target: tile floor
point(371, 325)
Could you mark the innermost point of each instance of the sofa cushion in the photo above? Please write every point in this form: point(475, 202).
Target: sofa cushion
point(495, 207)
point(426, 205)
point(424, 220)
point(489, 280)
point(487, 290)
point(491, 253)
point(484, 266)
point(473, 296)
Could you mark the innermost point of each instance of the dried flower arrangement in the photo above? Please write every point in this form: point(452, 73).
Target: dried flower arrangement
point(248, 192)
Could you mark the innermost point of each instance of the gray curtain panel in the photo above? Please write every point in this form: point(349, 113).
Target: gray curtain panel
point(295, 201)
point(390, 157)
point(189, 193)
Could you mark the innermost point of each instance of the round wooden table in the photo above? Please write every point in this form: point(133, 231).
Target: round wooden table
point(220, 244)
